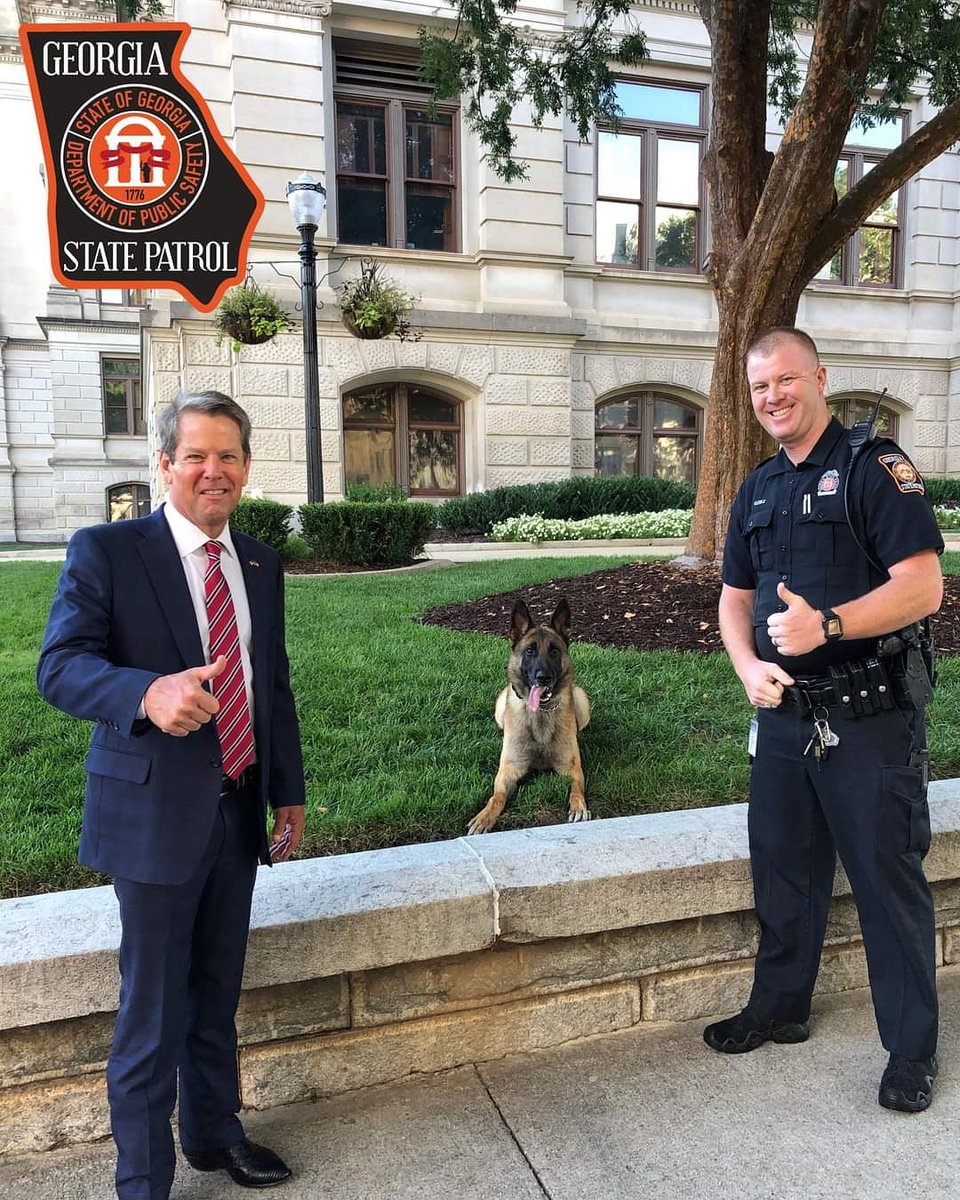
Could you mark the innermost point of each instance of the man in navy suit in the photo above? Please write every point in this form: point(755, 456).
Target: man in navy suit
point(175, 805)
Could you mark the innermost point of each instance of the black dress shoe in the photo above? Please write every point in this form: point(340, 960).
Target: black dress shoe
point(746, 1031)
point(907, 1084)
point(246, 1163)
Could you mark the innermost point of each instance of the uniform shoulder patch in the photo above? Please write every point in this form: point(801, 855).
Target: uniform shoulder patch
point(904, 473)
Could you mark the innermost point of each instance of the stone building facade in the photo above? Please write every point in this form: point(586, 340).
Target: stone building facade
point(564, 325)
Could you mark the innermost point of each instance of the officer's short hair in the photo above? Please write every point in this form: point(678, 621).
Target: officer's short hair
point(212, 404)
point(765, 343)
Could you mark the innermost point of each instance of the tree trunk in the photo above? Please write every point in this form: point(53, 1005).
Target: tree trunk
point(734, 441)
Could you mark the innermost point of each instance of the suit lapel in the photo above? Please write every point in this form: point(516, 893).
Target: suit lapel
point(165, 570)
point(260, 600)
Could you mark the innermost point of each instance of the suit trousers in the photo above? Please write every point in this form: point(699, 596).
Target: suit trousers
point(182, 951)
point(867, 801)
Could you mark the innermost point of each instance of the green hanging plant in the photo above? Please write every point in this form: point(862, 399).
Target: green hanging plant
point(374, 306)
point(249, 315)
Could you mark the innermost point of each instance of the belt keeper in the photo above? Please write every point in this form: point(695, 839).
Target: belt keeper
point(879, 683)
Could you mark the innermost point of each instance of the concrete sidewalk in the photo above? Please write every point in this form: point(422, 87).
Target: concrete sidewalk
point(649, 1114)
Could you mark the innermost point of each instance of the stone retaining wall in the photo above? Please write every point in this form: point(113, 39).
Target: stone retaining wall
point(367, 967)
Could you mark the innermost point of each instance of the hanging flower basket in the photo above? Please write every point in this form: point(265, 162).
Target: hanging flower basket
point(374, 306)
point(379, 329)
point(249, 316)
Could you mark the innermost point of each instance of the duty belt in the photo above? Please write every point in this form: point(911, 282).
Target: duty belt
point(858, 688)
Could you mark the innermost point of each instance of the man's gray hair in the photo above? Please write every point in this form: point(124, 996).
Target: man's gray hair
point(212, 404)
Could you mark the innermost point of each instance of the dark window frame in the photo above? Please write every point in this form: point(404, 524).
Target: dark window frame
point(396, 102)
point(649, 133)
point(840, 406)
point(401, 426)
point(856, 155)
point(140, 492)
point(647, 432)
point(136, 425)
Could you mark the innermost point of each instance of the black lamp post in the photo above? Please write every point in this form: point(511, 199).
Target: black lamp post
point(307, 199)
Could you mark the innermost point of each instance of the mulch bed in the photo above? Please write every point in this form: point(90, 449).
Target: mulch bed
point(642, 606)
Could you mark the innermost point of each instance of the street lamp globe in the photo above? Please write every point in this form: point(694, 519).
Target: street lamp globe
point(307, 198)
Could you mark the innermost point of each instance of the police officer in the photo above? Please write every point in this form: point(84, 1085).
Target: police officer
point(838, 745)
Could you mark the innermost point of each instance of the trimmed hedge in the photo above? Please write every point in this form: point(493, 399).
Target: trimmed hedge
point(267, 520)
point(374, 493)
point(379, 535)
point(942, 491)
point(569, 500)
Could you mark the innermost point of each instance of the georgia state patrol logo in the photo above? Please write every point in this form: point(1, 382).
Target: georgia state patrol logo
point(829, 483)
point(904, 473)
point(134, 159)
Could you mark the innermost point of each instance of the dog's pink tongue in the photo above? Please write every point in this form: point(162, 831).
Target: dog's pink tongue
point(533, 699)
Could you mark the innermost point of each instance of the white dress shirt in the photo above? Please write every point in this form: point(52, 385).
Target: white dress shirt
point(191, 542)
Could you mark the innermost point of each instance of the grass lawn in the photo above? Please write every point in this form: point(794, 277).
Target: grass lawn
point(399, 738)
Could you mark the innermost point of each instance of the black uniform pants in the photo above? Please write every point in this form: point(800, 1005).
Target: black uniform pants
point(866, 802)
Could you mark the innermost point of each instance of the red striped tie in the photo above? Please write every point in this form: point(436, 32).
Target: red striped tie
point(233, 719)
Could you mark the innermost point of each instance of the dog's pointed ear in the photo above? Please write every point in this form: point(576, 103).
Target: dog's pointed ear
point(520, 622)
point(560, 621)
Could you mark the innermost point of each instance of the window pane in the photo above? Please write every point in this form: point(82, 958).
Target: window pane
point(372, 404)
point(884, 136)
point(120, 506)
point(676, 236)
point(841, 178)
point(115, 406)
point(618, 165)
point(860, 410)
point(886, 212)
point(668, 414)
point(876, 255)
point(122, 366)
point(429, 146)
point(646, 102)
point(369, 456)
point(833, 269)
point(433, 460)
point(362, 211)
point(621, 414)
point(617, 232)
point(675, 458)
point(678, 172)
point(429, 217)
point(616, 455)
point(361, 139)
point(424, 407)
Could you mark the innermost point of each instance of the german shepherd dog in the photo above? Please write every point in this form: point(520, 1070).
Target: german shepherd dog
point(540, 713)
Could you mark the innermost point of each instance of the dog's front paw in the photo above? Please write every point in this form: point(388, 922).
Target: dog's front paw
point(483, 822)
point(579, 814)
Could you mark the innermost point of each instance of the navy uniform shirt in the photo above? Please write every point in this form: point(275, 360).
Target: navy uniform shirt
point(788, 524)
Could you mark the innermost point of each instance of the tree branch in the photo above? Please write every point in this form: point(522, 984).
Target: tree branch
point(882, 181)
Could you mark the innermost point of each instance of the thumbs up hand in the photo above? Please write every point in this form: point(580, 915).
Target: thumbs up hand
point(798, 630)
point(179, 704)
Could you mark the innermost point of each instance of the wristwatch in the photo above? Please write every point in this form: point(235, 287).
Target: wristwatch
point(832, 625)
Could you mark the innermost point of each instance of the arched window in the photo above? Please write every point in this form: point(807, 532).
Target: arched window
point(405, 434)
point(646, 433)
point(127, 500)
point(850, 409)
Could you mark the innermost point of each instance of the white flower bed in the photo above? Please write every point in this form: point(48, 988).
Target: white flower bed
point(671, 522)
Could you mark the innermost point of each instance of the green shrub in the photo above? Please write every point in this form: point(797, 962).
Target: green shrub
point(942, 491)
point(947, 518)
point(296, 547)
point(374, 493)
point(568, 500)
point(367, 534)
point(267, 520)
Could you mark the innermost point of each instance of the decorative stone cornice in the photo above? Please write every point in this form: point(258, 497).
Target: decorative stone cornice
point(297, 8)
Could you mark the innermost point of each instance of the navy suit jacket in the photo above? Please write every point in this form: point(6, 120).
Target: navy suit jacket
point(122, 616)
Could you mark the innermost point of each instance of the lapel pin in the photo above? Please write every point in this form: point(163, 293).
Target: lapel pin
point(253, 562)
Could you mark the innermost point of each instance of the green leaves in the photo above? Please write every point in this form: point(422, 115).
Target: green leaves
point(499, 65)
